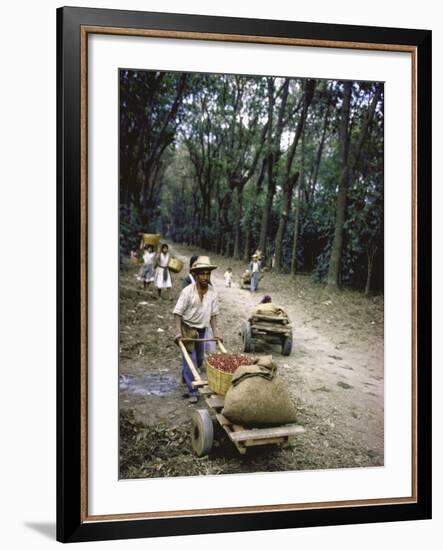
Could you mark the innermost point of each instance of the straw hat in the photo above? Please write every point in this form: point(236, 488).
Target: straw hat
point(203, 263)
point(255, 255)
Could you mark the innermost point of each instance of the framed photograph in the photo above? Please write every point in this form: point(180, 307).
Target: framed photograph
point(244, 274)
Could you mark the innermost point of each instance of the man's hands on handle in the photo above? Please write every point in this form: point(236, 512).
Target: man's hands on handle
point(178, 330)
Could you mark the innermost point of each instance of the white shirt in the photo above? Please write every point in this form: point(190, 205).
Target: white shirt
point(148, 257)
point(163, 259)
point(254, 266)
point(195, 312)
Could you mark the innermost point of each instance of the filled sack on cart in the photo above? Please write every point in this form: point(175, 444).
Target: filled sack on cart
point(270, 309)
point(257, 397)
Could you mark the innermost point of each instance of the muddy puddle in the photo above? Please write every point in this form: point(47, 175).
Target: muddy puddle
point(148, 384)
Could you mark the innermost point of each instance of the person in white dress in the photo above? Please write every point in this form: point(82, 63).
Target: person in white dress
point(162, 277)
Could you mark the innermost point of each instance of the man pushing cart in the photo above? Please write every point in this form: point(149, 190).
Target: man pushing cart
point(197, 309)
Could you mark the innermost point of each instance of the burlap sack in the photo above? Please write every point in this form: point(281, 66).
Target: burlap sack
point(258, 398)
point(189, 332)
point(270, 309)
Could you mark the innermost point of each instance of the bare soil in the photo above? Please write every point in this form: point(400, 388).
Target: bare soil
point(334, 376)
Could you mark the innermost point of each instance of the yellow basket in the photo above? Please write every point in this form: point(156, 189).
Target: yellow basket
point(150, 238)
point(218, 381)
point(175, 265)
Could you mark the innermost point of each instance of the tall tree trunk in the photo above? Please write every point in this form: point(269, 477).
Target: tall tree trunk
point(246, 251)
point(370, 255)
point(296, 224)
point(269, 168)
point(286, 206)
point(227, 251)
point(300, 190)
point(237, 228)
point(337, 244)
point(218, 239)
point(267, 206)
point(319, 153)
point(308, 94)
point(274, 153)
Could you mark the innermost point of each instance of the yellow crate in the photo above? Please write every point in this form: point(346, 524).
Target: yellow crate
point(150, 238)
point(175, 265)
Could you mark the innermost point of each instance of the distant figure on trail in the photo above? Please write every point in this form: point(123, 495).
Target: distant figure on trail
point(196, 310)
point(259, 255)
point(146, 271)
point(254, 269)
point(189, 279)
point(162, 277)
point(228, 277)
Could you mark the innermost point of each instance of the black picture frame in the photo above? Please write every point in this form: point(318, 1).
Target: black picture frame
point(73, 523)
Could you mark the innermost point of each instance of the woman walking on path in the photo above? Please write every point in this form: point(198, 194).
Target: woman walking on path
point(146, 272)
point(162, 278)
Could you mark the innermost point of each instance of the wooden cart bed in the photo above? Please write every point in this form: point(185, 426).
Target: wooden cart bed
point(247, 437)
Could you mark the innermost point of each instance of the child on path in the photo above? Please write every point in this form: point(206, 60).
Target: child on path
point(228, 277)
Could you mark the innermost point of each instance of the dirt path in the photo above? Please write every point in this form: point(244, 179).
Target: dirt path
point(334, 374)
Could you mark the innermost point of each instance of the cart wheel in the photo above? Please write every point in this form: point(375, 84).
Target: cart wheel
point(202, 432)
point(247, 336)
point(286, 345)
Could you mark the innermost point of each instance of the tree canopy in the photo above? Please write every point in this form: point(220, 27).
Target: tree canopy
point(232, 163)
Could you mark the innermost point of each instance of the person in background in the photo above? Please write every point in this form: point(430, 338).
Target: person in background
point(228, 277)
point(189, 279)
point(146, 272)
point(162, 277)
point(197, 309)
point(254, 269)
point(259, 255)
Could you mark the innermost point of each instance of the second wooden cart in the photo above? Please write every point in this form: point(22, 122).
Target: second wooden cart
point(276, 329)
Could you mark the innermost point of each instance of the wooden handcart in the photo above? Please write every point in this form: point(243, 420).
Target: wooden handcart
point(245, 279)
point(276, 329)
point(202, 421)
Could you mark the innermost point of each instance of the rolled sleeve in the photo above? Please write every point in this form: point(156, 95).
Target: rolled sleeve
point(215, 310)
point(181, 304)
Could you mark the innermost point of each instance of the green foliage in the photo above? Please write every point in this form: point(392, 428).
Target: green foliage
point(130, 227)
point(195, 155)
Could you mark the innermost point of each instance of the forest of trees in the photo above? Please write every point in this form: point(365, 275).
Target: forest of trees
point(232, 163)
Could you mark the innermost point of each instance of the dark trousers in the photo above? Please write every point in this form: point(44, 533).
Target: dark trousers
point(197, 355)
